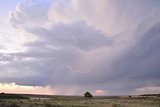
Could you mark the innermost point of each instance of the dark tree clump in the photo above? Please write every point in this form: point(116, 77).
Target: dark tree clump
point(88, 94)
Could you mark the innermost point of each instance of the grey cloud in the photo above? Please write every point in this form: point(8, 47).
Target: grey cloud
point(51, 55)
point(137, 66)
point(76, 35)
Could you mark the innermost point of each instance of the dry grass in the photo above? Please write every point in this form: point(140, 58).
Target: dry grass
point(63, 101)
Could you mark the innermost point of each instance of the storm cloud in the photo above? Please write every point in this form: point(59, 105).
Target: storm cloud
point(108, 45)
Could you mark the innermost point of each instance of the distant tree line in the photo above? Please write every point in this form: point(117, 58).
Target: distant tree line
point(158, 95)
point(12, 96)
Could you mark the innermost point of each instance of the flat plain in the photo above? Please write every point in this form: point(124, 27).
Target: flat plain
point(80, 101)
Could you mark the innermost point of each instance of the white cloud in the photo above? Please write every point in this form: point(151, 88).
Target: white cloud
point(148, 90)
point(30, 13)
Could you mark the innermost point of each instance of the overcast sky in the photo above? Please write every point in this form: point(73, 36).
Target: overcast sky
point(67, 47)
